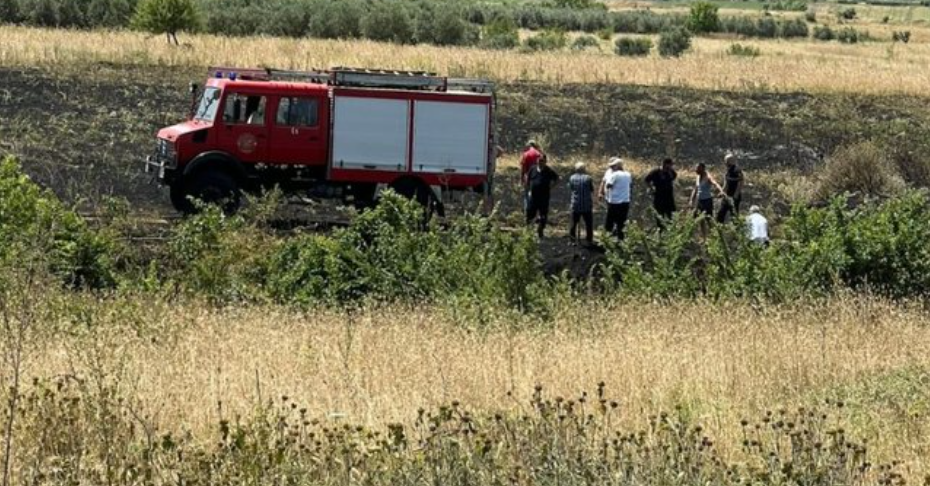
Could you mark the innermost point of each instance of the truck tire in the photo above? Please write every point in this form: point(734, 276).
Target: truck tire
point(179, 198)
point(417, 190)
point(214, 187)
point(363, 195)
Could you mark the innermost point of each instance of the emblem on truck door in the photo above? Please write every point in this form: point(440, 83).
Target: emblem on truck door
point(247, 143)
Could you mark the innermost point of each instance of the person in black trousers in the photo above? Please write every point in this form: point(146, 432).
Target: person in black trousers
point(732, 189)
point(581, 186)
point(540, 180)
point(662, 180)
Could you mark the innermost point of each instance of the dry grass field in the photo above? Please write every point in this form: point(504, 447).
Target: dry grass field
point(190, 366)
point(873, 67)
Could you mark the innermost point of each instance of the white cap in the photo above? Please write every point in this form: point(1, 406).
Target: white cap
point(754, 209)
point(579, 167)
point(614, 161)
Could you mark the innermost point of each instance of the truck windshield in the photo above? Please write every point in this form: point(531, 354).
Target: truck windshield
point(209, 103)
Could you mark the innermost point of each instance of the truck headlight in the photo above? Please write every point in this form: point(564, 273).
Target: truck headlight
point(166, 150)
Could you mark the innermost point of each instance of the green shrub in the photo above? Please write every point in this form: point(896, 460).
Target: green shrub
point(9, 11)
point(166, 17)
point(41, 13)
point(767, 27)
point(500, 34)
point(849, 35)
point(388, 21)
point(703, 18)
point(110, 13)
point(743, 50)
point(282, 18)
point(585, 42)
point(792, 28)
point(847, 13)
point(824, 33)
point(606, 33)
point(789, 6)
point(549, 40)
point(903, 36)
point(674, 43)
point(633, 46)
point(337, 20)
point(34, 223)
point(810, 16)
point(441, 27)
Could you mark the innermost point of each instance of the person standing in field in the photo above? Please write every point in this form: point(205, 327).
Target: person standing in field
point(662, 180)
point(581, 186)
point(732, 188)
point(540, 181)
point(617, 189)
point(757, 227)
point(528, 160)
point(702, 197)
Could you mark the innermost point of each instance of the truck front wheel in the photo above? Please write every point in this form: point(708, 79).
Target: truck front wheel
point(210, 187)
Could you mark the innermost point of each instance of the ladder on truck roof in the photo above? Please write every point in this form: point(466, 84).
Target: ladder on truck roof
point(364, 78)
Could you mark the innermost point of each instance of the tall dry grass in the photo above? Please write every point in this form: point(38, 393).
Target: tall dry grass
point(784, 65)
point(188, 366)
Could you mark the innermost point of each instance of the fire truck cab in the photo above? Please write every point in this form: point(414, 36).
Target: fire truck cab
point(338, 133)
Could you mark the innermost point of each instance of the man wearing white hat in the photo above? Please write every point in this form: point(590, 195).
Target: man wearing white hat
point(617, 189)
point(757, 227)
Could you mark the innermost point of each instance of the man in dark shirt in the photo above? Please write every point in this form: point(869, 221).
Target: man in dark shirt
point(662, 180)
point(581, 186)
point(732, 189)
point(540, 180)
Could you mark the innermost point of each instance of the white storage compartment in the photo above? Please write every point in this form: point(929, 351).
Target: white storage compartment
point(450, 138)
point(370, 133)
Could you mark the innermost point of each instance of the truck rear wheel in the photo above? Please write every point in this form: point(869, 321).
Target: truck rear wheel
point(363, 195)
point(211, 187)
point(417, 190)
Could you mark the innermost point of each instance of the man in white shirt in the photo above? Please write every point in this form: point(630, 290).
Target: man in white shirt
point(617, 188)
point(757, 227)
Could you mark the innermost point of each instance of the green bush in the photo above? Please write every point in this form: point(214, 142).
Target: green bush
point(767, 27)
point(863, 168)
point(388, 21)
point(847, 13)
point(441, 27)
point(42, 13)
point(633, 46)
point(824, 33)
point(35, 225)
point(810, 16)
point(110, 13)
point(585, 42)
point(789, 6)
point(337, 20)
point(743, 50)
point(9, 11)
point(792, 28)
point(703, 18)
point(500, 34)
point(849, 35)
point(903, 36)
point(166, 17)
point(549, 40)
point(606, 33)
point(674, 43)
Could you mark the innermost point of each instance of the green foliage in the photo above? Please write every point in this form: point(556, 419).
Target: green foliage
point(388, 21)
point(550, 40)
point(442, 27)
point(606, 33)
point(810, 16)
point(337, 20)
point(110, 13)
point(848, 13)
point(674, 43)
point(633, 46)
point(585, 42)
point(500, 34)
point(33, 222)
point(42, 13)
point(703, 18)
point(766, 27)
point(792, 28)
point(863, 168)
point(742, 50)
point(9, 11)
point(902, 36)
point(824, 33)
point(789, 6)
point(849, 35)
point(166, 16)
point(577, 4)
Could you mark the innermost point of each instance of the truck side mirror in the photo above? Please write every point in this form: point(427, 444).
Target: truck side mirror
point(194, 89)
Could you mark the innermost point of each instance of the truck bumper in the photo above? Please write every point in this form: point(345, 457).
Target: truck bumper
point(158, 167)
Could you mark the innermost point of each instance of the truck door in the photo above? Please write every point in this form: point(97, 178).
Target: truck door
point(245, 127)
point(297, 135)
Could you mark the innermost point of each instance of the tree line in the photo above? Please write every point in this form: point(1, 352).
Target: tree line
point(401, 21)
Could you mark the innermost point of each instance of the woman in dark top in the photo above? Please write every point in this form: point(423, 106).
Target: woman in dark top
point(662, 180)
point(702, 197)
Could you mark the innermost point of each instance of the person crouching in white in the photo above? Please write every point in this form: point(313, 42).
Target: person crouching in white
point(757, 227)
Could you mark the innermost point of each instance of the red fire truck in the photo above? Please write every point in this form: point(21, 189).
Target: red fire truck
point(339, 133)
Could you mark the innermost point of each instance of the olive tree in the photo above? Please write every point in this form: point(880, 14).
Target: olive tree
point(166, 17)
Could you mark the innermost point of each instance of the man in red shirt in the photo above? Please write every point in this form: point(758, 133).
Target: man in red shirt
point(530, 158)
